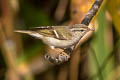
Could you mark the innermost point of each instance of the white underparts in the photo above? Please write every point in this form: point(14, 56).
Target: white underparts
point(36, 35)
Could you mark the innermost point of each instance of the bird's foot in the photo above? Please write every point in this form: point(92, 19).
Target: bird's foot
point(58, 58)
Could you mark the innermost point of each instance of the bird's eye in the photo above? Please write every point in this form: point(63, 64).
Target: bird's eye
point(81, 30)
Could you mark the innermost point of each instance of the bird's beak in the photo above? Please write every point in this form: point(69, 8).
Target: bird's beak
point(91, 29)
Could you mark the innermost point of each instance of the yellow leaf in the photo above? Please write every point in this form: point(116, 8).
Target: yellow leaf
point(114, 9)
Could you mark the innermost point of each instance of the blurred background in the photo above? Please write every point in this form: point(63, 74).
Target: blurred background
point(22, 56)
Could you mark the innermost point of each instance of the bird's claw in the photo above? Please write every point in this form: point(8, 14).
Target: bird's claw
point(60, 58)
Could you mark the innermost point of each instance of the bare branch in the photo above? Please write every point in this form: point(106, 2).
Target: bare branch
point(92, 12)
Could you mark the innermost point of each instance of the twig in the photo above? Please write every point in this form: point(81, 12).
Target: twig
point(89, 16)
point(8, 45)
point(92, 12)
point(86, 21)
point(63, 73)
point(75, 60)
point(61, 8)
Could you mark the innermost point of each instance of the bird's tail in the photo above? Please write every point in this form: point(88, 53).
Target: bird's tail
point(24, 31)
point(32, 33)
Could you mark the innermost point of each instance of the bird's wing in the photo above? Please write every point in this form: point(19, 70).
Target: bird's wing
point(58, 32)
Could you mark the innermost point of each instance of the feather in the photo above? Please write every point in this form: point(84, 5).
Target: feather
point(58, 32)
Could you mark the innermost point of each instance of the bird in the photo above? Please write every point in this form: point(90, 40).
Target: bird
point(58, 36)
